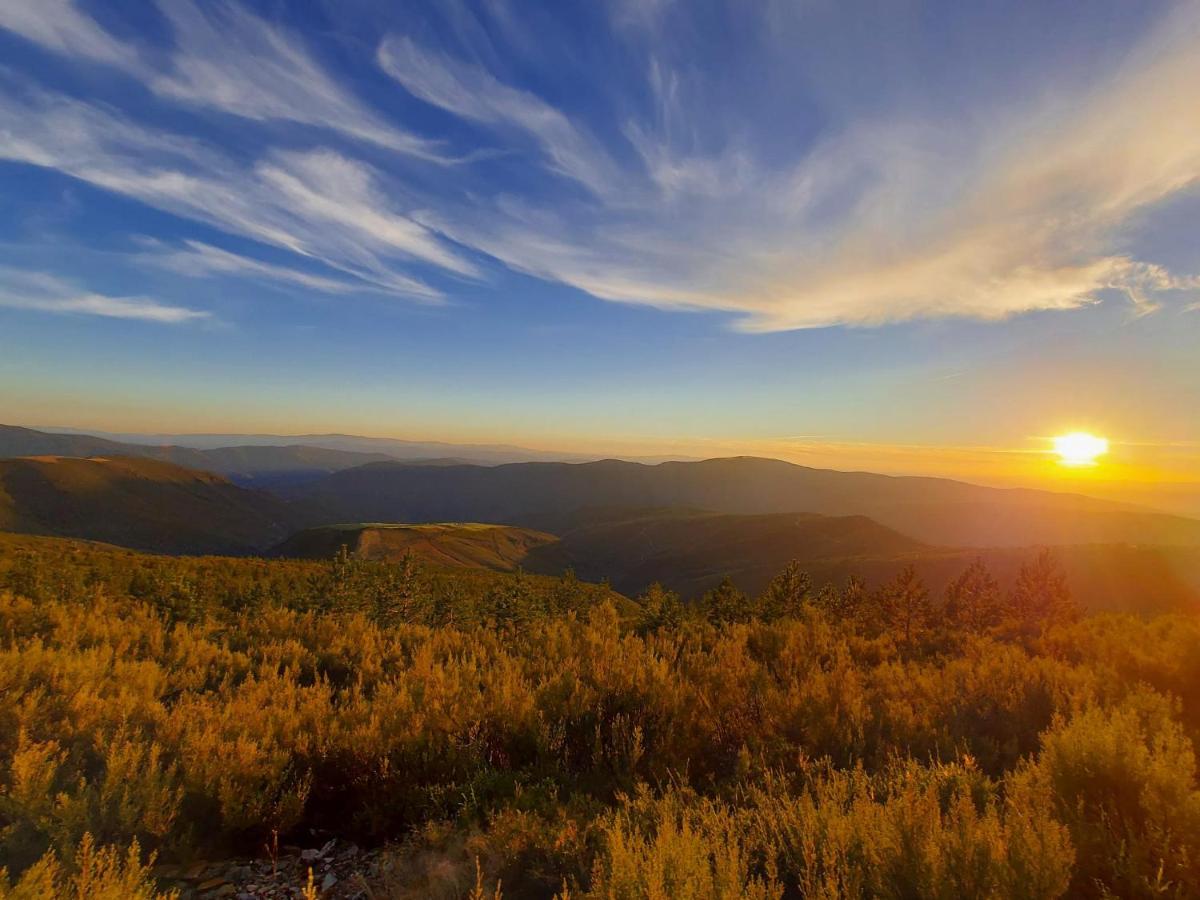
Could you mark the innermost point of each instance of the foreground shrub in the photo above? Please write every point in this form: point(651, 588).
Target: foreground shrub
point(1124, 782)
point(912, 831)
point(98, 873)
point(511, 739)
point(678, 846)
point(929, 832)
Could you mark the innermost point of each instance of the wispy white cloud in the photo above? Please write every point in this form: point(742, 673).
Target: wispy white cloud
point(59, 25)
point(43, 292)
point(1029, 222)
point(316, 203)
point(474, 93)
point(224, 58)
point(645, 15)
point(896, 216)
point(229, 59)
point(342, 193)
point(886, 221)
point(197, 259)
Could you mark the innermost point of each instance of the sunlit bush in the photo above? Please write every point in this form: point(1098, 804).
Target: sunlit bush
point(796, 754)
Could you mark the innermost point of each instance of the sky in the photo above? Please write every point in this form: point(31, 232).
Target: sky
point(903, 236)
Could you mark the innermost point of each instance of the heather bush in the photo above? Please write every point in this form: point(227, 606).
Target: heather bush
point(1123, 780)
point(561, 740)
point(98, 873)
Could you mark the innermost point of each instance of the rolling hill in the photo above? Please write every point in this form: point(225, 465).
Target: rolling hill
point(500, 548)
point(388, 448)
point(249, 465)
point(690, 552)
point(141, 503)
point(554, 496)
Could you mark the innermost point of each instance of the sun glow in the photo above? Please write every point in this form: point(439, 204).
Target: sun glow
point(1079, 448)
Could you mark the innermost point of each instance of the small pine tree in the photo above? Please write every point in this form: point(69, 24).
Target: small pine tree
point(903, 605)
point(568, 594)
point(725, 603)
point(660, 609)
point(343, 592)
point(846, 604)
point(396, 594)
point(1040, 596)
point(973, 600)
point(787, 593)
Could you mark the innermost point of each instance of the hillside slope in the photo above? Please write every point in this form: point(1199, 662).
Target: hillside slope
point(691, 552)
point(551, 495)
point(141, 503)
point(500, 548)
point(266, 465)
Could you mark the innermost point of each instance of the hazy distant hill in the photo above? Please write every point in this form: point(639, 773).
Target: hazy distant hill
point(551, 495)
point(501, 548)
point(254, 464)
point(142, 503)
point(690, 552)
point(390, 448)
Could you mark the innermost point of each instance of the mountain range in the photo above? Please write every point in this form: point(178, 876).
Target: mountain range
point(388, 448)
point(554, 496)
point(242, 463)
point(142, 503)
point(691, 551)
point(685, 524)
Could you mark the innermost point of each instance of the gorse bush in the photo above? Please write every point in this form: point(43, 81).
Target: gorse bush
point(793, 745)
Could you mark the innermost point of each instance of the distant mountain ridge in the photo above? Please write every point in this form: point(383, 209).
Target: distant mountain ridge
point(689, 551)
point(388, 448)
point(246, 464)
point(552, 495)
point(141, 503)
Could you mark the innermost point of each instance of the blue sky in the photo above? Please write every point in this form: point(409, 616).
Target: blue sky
point(656, 226)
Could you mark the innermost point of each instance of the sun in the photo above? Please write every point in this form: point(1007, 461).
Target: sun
point(1079, 448)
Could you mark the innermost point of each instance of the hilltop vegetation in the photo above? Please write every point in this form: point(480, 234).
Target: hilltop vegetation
point(806, 742)
point(500, 548)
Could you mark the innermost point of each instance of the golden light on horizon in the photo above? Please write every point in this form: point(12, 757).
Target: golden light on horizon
point(1079, 448)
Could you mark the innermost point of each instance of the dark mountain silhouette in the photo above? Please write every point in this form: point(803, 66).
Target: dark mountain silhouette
point(141, 503)
point(556, 496)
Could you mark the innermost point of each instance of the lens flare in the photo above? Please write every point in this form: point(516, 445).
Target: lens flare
point(1079, 448)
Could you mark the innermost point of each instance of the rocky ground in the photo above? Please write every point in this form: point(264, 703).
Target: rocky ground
point(340, 871)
